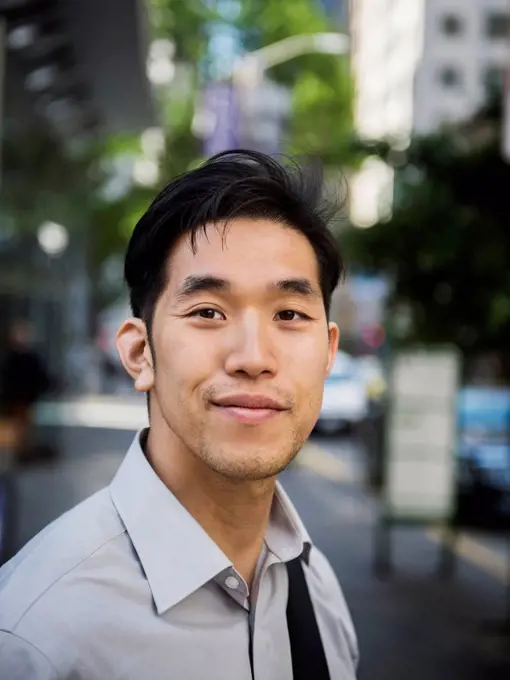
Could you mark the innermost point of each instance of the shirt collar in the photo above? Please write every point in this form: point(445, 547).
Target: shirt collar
point(177, 555)
point(286, 535)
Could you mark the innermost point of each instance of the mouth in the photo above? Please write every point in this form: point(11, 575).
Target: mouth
point(249, 409)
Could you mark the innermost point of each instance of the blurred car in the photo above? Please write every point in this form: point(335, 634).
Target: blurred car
point(483, 476)
point(483, 457)
point(345, 402)
point(372, 373)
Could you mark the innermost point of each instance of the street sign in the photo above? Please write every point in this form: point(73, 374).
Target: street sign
point(422, 432)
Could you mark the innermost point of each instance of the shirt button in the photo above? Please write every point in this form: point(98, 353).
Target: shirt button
point(232, 582)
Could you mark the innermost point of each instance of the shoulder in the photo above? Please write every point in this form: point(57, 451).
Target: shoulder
point(320, 568)
point(19, 659)
point(328, 598)
point(36, 575)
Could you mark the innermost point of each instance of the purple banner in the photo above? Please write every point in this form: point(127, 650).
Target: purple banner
point(221, 108)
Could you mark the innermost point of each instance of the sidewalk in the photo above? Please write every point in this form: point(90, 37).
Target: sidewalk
point(412, 626)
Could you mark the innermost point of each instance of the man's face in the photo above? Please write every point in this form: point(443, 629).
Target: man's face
point(241, 347)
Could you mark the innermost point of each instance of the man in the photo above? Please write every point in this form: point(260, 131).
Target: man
point(193, 564)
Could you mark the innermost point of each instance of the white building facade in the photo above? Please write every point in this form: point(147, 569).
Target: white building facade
point(466, 50)
point(386, 48)
point(420, 64)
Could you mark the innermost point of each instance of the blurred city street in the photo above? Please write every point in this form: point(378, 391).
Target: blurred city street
point(405, 105)
point(413, 624)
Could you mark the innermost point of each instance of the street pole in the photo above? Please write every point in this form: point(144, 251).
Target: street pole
point(223, 119)
point(251, 67)
point(262, 105)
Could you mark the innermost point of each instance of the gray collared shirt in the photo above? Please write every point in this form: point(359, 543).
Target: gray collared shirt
point(127, 585)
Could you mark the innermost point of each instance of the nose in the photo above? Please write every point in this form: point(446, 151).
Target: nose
point(252, 354)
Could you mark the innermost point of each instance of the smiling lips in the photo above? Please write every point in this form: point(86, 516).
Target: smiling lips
point(250, 409)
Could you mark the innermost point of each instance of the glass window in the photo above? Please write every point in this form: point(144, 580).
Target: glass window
point(450, 77)
point(452, 25)
point(494, 81)
point(498, 25)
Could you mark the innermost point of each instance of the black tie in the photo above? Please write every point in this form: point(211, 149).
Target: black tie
point(308, 658)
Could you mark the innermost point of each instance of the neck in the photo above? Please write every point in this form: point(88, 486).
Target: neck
point(234, 513)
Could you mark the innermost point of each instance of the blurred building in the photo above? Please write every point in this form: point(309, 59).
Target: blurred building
point(421, 64)
point(73, 72)
point(81, 65)
point(386, 48)
point(418, 65)
point(466, 49)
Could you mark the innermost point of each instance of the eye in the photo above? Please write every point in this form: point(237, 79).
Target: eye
point(291, 315)
point(207, 313)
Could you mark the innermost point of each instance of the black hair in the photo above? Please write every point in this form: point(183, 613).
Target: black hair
point(231, 184)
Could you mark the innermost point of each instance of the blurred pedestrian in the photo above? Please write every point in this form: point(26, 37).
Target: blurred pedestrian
point(23, 381)
point(194, 563)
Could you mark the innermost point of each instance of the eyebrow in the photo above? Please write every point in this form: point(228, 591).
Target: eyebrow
point(302, 287)
point(193, 285)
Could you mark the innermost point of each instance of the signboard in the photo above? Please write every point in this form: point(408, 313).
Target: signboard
point(422, 435)
point(370, 294)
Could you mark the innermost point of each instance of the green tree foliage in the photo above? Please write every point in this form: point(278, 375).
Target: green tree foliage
point(44, 180)
point(41, 180)
point(185, 24)
point(447, 245)
point(321, 84)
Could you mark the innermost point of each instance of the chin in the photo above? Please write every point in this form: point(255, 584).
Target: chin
point(254, 467)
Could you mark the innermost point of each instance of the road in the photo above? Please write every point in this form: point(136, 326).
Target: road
point(413, 625)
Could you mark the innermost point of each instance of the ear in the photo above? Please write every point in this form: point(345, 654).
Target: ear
point(334, 337)
point(135, 353)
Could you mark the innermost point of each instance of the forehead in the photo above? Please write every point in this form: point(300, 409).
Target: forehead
point(247, 252)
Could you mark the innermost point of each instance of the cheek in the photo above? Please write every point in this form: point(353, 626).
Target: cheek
point(307, 357)
point(310, 384)
point(315, 394)
point(182, 364)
